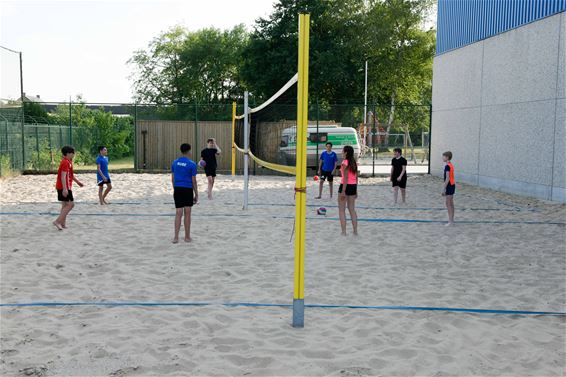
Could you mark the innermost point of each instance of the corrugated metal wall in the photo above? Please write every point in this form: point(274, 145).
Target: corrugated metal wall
point(461, 22)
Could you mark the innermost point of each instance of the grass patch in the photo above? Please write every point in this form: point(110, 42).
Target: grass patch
point(118, 164)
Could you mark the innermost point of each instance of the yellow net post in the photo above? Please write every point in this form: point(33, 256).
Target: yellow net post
point(301, 171)
point(233, 138)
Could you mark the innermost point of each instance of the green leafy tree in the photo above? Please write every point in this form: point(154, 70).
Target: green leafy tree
point(400, 56)
point(92, 128)
point(181, 66)
point(335, 49)
point(35, 113)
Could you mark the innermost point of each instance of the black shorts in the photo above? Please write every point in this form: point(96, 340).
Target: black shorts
point(402, 183)
point(104, 183)
point(183, 196)
point(61, 198)
point(350, 189)
point(326, 175)
point(210, 172)
point(450, 189)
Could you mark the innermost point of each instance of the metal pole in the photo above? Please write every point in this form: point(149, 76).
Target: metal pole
point(301, 172)
point(37, 146)
point(429, 135)
point(50, 146)
point(366, 95)
point(70, 121)
point(317, 135)
point(373, 140)
point(246, 149)
point(23, 113)
point(196, 127)
point(135, 136)
point(233, 138)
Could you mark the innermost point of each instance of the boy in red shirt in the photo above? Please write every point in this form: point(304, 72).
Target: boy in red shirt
point(64, 185)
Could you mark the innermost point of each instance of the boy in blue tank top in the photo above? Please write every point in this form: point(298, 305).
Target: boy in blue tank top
point(327, 168)
point(102, 175)
point(185, 190)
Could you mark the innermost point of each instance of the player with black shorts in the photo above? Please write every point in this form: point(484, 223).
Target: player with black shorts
point(398, 174)
point(449, 188)
point(208, 155)
point(185, 190)
point(327, 168)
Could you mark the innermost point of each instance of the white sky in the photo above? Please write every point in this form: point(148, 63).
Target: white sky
point(81, 47)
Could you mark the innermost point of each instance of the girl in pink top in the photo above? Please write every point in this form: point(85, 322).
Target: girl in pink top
point(348, 190)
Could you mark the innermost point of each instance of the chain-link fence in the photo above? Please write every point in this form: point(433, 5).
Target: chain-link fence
point(146, 137)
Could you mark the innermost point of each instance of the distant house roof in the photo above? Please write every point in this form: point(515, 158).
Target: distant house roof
point(28, 98)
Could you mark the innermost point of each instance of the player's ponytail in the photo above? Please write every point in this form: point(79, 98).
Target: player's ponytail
point(349, 152)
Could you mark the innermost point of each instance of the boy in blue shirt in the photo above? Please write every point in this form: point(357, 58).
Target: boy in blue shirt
point(102, 176)
point(327, 168)
point(185, 191)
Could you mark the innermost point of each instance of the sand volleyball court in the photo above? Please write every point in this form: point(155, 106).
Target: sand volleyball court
point(132, 294)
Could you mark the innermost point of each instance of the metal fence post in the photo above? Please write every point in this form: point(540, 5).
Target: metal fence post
point(23, 136)
point(37, 147)
point(50, 146)
point(135, 136)
point(70, 122)
point(317, 135)
point(195, 154)
point(373, 140)
point(429, 134)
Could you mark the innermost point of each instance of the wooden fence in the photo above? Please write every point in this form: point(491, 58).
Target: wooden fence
point(158, 142)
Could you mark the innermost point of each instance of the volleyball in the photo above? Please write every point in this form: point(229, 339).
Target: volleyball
point(202, 163)
point(321, 211)
point(315, 178)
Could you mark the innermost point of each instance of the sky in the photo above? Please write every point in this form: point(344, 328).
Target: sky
point(76, 47)
point(81, 47)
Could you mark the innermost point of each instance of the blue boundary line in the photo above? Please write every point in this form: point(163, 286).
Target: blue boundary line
point(321, 204)
point(373, 220)
point(396, 208)
point(264, 305)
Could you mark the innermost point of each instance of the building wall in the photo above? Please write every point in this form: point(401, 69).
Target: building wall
point(461, 22)
point(500, 106)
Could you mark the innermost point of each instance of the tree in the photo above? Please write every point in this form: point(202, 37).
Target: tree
point(35, 113)
point(335, 52)
point(401, 68)
point(181, 66)
point(92, 128)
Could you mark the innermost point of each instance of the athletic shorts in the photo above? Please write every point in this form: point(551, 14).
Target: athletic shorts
point(401, 184)
point(326, 175)
point(183, 196)
point(61, 198)
point(350, 189)
point(104, 183)
point(450, 189)
point(210, 172)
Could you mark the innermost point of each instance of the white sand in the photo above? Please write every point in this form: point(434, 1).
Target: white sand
point(246, 256)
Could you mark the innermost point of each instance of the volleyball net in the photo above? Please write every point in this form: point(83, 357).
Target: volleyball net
point(272, 130)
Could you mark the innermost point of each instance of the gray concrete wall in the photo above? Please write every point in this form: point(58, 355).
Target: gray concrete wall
point(500, 106)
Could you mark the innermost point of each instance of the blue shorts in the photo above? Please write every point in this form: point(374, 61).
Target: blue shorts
point(450, 189)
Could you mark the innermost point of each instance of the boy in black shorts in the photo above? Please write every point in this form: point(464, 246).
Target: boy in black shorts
point(64, 186)
point(327, 168)
point(208, 155)
point(398, 174)
point(449, 186)
point(185, 190)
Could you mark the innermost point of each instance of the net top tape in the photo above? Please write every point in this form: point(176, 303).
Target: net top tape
point(283, 89)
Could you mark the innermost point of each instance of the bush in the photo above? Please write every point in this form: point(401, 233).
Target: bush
point(5, 166)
